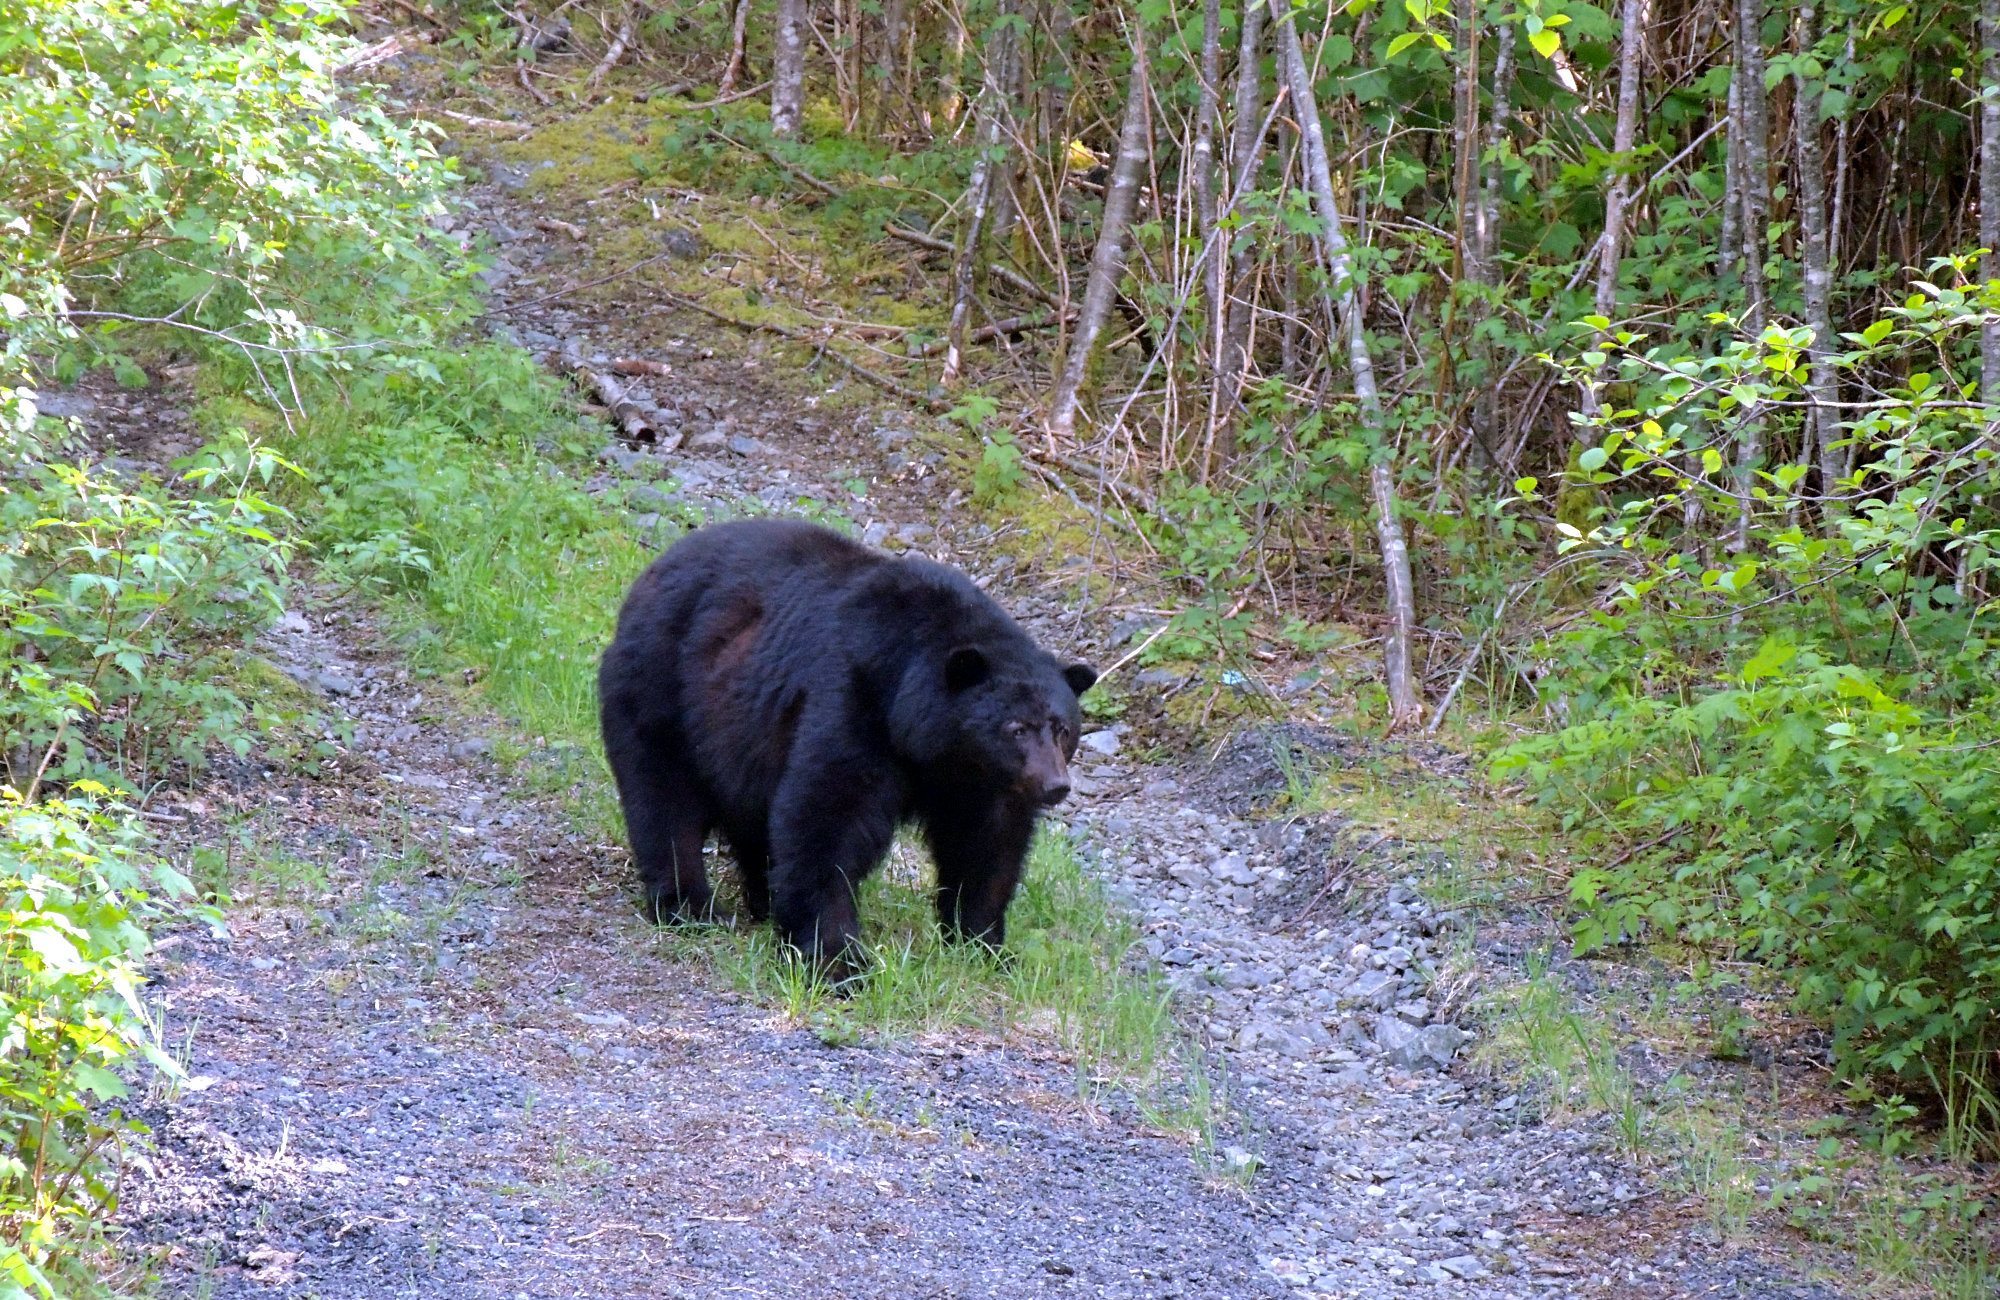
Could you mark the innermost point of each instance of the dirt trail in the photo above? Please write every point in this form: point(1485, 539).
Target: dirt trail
point(449, 1061)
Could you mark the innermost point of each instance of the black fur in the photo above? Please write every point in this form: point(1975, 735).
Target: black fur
point(805, 695)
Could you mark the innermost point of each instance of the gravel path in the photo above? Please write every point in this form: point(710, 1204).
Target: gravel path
point(454, 1063)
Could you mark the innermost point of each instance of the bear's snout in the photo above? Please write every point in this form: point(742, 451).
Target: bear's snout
point(1047, 775)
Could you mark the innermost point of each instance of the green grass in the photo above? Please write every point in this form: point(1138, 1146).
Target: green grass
point(455, 503)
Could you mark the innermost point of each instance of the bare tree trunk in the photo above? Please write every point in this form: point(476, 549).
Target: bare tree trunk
point(735, 68)
point(1207, 110)
point(1465, 143)
point(1989, 190)
point(994, 137)
point(1730, 241)
point(1631, 48)
point(1405, 706)
point(1107, 263)
point(895, 16)
point(1754, 123)
point(1823, 388)
point(1246, 151)
point(788, 69)
point(1486, 402)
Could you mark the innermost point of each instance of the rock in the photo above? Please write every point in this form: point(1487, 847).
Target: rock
point(474, 747)
point(1232, 868)
point(745, 446)
point(708, 438)
point(1464, 1267)
point(66, 406)
point(1372, 988)
point(1410, 1048)
point(684, 244)
point(1106, 743)
point(1237, 1162)
point(1416, 1011)
point(875, 534)
point(334, 683)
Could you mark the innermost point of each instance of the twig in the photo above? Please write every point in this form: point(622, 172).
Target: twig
point(875, 377)
point(1012, 325)
point(579, 288)
point(424, 14)
point(489, 123)
point(757, 89)
point(831, 191)
point(640, 366)
point(1005, 274)
point(568, 228)
point(381, 52)
point(1136, 651)
point(611, 57)
point(528, 84)
point(619, 1227)
point(630, 417)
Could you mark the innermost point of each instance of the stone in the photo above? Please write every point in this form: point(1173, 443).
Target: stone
point(1466, 1268)
point(1410, 1048)
point(875, 534)
point(1371, 988)
point(335, 683)
point(1102, 742)
point(745, 446)
point(684, 244)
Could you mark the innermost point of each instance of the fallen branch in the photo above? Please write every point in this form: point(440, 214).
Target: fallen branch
point(611, 57)
point(381, 52)
point(986, 333)
point(528, 84)
point(1004, 274)
point(489, 123)
point(640, 366)
point(571, 229)
point(831, 191)
point(632, 419)
point(875, 377)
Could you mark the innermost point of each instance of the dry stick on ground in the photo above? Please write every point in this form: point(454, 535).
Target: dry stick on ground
point(875, 377)
point(611, 57)
point(528, 84)
point(735, 67)
point(489, 123)
point(630, 417)
point(831, 191)
point(1005, 274)
point(1000, 329)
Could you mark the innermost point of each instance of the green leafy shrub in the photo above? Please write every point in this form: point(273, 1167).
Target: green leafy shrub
point(1784, 751)
point(77, 892)
point(121, 602)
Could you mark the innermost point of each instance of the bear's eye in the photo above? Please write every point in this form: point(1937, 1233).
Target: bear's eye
point(1015, 728)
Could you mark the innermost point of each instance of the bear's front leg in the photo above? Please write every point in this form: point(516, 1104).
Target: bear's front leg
point(832, 822)
point(979, 853)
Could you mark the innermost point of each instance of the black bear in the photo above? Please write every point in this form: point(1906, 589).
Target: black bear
point(805, 696)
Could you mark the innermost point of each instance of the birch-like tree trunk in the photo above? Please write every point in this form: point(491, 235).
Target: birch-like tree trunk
point(1486, 402)
point(788, 69)
point(1405, 706)
point(1466, 141)
point(895, 16)
point(994, 136)
point(1752, 129)
point(1246, 152)
point(734, 69)
point(1121, 195)
point(1207, 111)
point(1729, 244)
point(1823, 384)
point(1989, 190)
point(1631, 48)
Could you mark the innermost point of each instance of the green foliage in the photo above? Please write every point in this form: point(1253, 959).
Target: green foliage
point(77, 892)
point(199, 141)
point(121, 602)
point(1782, 751)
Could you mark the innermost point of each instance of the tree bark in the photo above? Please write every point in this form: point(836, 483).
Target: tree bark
point(1207, 111)
point(1989, 190)
point(1823, 386)
point(894, 17)
point(788, 69)
point(993, 138)
point(1631, 48)
point(1405, 706)
point(1121, 195)
point(1486, 402)
point(735, 67)
point(1754, 124)
point(1246, 152)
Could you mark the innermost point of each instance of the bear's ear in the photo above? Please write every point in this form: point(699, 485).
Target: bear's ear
point(1081, 677)
point(965, 667)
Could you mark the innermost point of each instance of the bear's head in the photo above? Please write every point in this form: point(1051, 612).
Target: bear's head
point(1016, 718)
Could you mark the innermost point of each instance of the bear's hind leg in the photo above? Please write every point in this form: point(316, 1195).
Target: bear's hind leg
point(831, 825)
point(665, 820)
point(753, 870)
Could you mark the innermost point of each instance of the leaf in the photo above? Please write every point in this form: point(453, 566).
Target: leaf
point(1403, 42)
point(1593, 459)
point(1546, 43)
